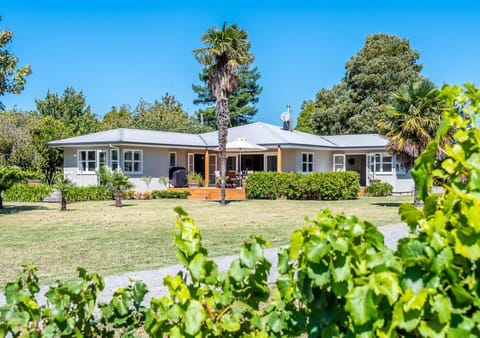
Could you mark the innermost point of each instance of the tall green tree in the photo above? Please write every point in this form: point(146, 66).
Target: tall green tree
point(226, 51)
point(121, 117)
point(12, 77)
point(324, 99)
point(8, 177)
point(71, 108)
point(166, 115)
point(385, 63)
point(44, 129)
point(241, 102)
point(17, 147)
point(412, 120)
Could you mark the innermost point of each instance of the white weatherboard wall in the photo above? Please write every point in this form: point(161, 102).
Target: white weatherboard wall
point(289, 160)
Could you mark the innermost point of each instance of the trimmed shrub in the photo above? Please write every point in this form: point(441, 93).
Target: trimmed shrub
point(24, 192)
point(90, 193)
point(295, 186)
point(379, 189)
point(339, 185)
point(262, 186)
point(158, 194)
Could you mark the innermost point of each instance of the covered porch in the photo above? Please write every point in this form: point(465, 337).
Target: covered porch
point(207, 164)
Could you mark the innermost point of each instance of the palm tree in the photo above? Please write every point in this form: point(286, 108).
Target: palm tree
point(226, 51)
point(119, 182)
point(63, 186)
point(412, 120)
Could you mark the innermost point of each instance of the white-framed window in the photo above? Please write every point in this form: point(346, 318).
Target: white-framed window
point(338, 162)
point(172, 159)
point(114, 159)
point(133, 161)
point(380, 163)
point(307, 162)
point(87, 161)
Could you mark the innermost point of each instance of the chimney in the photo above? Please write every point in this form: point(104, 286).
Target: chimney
point(287, 119)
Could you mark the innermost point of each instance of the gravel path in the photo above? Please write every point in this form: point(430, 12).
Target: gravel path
point(154, 278)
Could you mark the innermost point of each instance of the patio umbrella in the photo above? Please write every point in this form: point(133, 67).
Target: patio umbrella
point(240, 145)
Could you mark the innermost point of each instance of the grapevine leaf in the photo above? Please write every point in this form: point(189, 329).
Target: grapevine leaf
point(230, 323)
point(250, 253)
point(386, 283)
point(341, 268)
point(237, 271)
point(432, 329)
point(315, 249)
point(442, 261)
point(296, 244)
point(197, 267)
point(410, 215)
point(442, 306)
point(361, 305)
point(412, 279)
point(467, 243)
point(194, 317)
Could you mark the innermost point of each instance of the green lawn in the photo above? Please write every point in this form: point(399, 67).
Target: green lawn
point(100, 237)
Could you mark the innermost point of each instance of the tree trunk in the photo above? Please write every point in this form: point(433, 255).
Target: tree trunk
point(222, 125)
point(118, 197)
point(1, 200)
point(63, 204)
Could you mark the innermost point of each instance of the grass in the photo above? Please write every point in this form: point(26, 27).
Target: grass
point(109, 240)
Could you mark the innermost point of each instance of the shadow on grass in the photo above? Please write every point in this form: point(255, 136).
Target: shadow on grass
point(13, 209)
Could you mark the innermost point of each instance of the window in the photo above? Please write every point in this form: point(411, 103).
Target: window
point(132, 161)
point(102, 158)
point(307, 162)
point(173, 160)
point(338, 162)
point(232, 163)
point(114, 159)
point(380, 163)
point(87, 160)
point(271, 162)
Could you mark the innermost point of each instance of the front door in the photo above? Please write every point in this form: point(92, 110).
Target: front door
point(357, 163)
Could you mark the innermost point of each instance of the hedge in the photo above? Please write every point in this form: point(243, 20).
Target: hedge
point(157, 194)
point(90, 193)
point(24, 192)
point(295, 186)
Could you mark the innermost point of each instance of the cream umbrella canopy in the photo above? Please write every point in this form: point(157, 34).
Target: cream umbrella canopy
point(240, 145)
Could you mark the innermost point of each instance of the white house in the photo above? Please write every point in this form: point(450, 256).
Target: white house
point(141, 153)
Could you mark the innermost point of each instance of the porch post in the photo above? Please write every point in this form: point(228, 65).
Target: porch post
point(279, 159)
point(207, 167)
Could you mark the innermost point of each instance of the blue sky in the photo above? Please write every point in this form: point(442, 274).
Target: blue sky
point(117, 52)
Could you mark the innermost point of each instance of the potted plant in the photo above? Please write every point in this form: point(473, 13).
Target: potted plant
point(195, 180)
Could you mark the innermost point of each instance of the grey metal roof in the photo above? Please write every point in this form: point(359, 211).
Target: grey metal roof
point(260, 133)
point(358, 141)
point(266, 135)
point(133, 136)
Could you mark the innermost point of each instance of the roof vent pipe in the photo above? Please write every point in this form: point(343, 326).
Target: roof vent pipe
point(287, 119)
